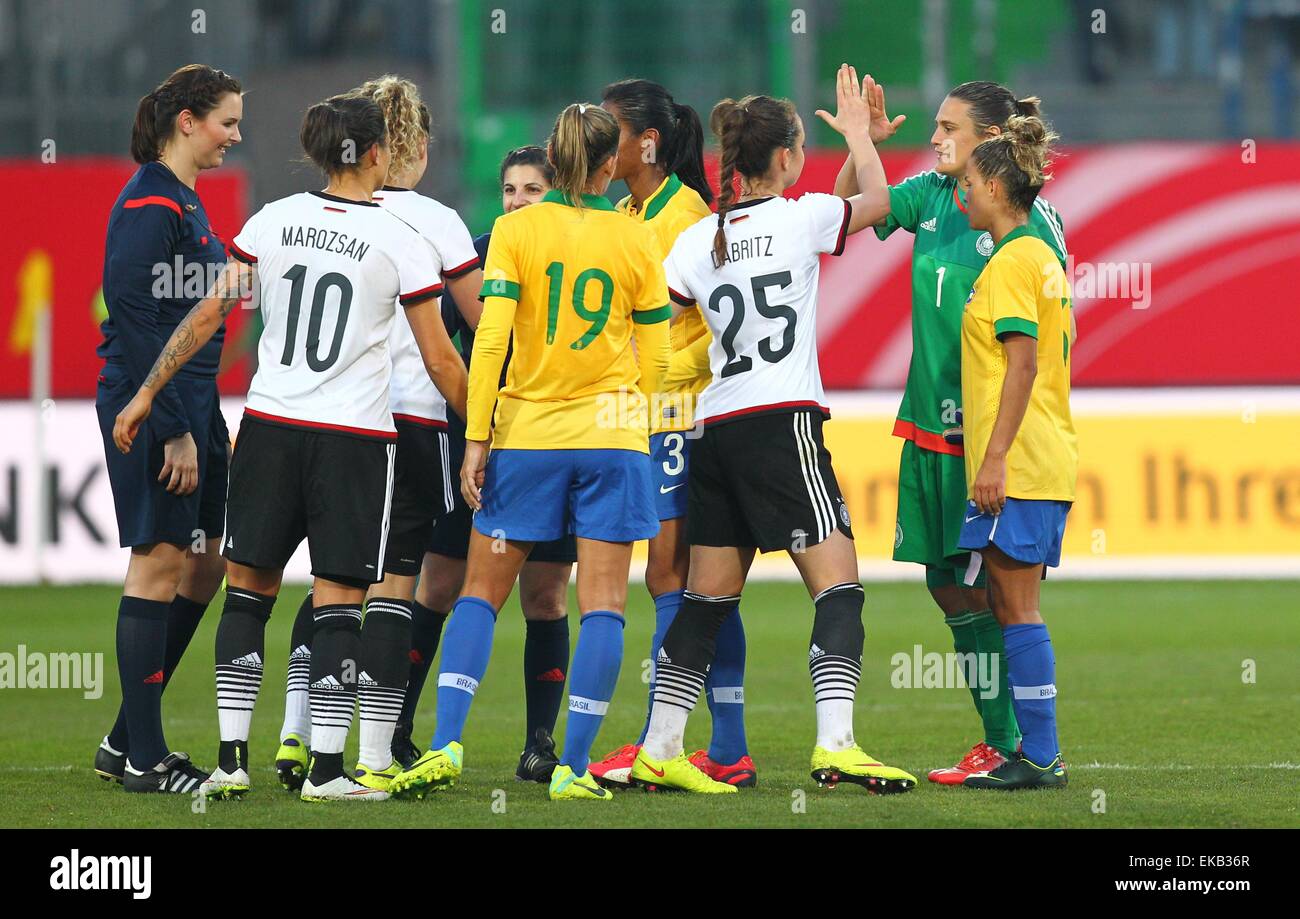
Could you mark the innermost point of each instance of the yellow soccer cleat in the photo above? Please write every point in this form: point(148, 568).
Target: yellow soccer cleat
point(378, 779)
point(435, 770)
point(676, 774)
point(853, 765)
point(566, 786)
point(291, 762)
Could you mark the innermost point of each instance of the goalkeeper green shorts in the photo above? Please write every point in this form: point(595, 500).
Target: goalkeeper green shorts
point(931, 509)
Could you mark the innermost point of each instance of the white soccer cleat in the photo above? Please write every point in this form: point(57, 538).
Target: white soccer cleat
point(222, 784)
point(343, 788)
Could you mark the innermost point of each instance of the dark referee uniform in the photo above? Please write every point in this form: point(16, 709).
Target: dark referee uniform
point(159, 221)
point(451, 532)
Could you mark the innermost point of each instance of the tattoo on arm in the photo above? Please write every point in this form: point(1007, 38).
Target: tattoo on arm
point(185, 340)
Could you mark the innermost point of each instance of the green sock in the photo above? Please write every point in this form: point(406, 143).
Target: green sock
point(1000, 728)
point(965, 642)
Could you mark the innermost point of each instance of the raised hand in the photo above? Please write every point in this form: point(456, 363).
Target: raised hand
point(852, 111)
point(882, 128)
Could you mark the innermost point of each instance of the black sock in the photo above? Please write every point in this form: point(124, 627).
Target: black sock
point(240, 653)
point(835, 650)
point(335, 657)
point(183, 616)
point(688, 648)
point(385, 663)
point(141, 654)
point(426, 629)
point(546, 659)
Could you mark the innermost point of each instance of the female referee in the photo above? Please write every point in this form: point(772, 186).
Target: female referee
point(170, 495)
point(1021, 450)
point(525, 176)
point(661, 157)
point(422, 481)
point(331, 266)
point(575, 281)
point(948, 253)
point(761, 477)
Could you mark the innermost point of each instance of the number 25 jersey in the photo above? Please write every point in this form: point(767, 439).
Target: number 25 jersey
point(761, 304)
point(331, 272)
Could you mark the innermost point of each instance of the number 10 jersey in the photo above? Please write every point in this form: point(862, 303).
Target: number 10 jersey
point(331, 272)
point(761, 304)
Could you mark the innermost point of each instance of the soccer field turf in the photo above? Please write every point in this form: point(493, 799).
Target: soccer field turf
point(1156, 721)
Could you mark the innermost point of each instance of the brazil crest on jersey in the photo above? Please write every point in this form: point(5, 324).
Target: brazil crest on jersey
point(947, 257)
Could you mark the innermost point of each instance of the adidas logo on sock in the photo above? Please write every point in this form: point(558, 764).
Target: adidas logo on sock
point(328, 683)
point(253, 660)
point(930, 224)
point(366, 680)
point(156, 677)
point(663, 656)
point(416, 657)
point(554, 675)
point(300, 653)
point(815, 652)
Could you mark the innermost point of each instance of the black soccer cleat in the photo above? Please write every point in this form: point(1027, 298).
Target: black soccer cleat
point(1017, 773)
point(174, 775)
point(404, 751)
point(109, 764)
point(538, 761)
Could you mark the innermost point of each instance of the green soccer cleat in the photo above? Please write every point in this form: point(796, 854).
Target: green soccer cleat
point(1018, 772)
point(291, 762)
point(853, 765)
point(676, 774)
point(377, 779)
point(435, 770)
point(566, 786)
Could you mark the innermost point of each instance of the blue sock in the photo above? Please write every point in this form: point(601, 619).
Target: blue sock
point(592, 677)
point(666, 607)
point(466, 647)
point(724, 689)
point(1031, 670)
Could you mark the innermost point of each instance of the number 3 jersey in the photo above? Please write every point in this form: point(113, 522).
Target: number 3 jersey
point(761, 304)
point(331, 272)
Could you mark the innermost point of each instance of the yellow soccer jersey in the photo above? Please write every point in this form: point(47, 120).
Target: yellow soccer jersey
point(672, 208)
point(573, 286)
point(1021, 289)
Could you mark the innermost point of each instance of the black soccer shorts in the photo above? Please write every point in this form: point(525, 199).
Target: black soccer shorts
point(764, 481)
point(289, 483)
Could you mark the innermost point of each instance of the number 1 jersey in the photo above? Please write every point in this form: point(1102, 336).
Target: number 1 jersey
point(761, 304)
point(331, 272)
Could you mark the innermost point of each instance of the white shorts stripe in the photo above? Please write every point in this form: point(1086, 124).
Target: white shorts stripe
point(820, 498)
point(444, 444)
point(391, 450)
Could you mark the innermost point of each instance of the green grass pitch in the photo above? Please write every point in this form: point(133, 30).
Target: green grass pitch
point(1156, 721)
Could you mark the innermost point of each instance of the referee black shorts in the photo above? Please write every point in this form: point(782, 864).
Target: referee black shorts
point(289, 483)
point(764, 481)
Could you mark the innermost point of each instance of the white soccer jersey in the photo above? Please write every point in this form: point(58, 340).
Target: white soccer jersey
point(761, 305)
point(411, 394)
point(331, 272)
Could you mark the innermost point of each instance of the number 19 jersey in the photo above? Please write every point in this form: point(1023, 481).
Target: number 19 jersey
point(331, 272)
point(761, 304)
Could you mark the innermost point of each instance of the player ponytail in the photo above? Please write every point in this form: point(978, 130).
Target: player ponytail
point(1018, 158)
point(644, 104)
point(197, 88)
point(337, 133)
point(406, 119)
point(585, 136)
point(992, 104)
point(748, 132)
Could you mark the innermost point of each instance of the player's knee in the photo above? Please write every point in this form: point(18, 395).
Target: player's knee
point(544, 603)
point(691, 640)
point(837, 625)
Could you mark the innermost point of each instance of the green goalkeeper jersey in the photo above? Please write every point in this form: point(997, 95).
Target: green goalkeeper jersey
point(947, 257)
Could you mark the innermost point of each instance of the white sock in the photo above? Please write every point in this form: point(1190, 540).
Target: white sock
point(835, 724)
point(297, 700)
point(379, 709)
point(667, 729)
